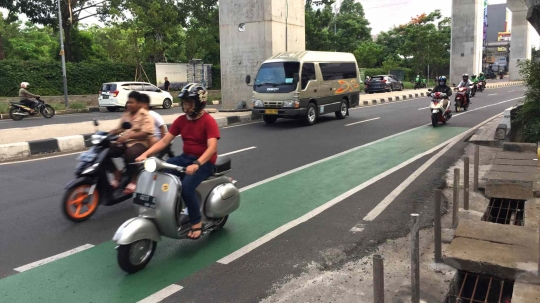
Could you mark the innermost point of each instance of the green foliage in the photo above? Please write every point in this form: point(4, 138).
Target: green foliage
point(529, 115)
point(369, 54)
point(216, 77)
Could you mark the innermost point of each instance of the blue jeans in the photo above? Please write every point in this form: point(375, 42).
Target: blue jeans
point(191, 182)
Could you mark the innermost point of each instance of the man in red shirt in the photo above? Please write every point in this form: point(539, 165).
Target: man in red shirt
point(200, 134)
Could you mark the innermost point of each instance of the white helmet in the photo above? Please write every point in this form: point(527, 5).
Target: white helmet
point(24, 84)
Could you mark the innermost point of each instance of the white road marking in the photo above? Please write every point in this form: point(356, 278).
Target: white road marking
point(492, 95)
point(282, 229)
point(38, 159)
point(242, 124)
point(162, 294)
point(472, 110)
point(358, 228)
point(363, 121)
point(511, 91)
point(386, 103)
point(238, 151)
point(53, 258)
point(423, 108)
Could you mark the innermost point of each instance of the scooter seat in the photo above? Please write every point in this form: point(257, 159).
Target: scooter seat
point(223, 164)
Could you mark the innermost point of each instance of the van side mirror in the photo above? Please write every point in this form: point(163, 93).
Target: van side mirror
point(248, 79)
point(296, 78)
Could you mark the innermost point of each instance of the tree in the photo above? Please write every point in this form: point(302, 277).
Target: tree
point(318, 35)
point(202, 35)
point(369, 54)
point(352, 26)
point(45, 12)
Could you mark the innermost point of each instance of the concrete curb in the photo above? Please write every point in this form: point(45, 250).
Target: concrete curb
point(72, 111)
point(21, 150)
point(420, 95)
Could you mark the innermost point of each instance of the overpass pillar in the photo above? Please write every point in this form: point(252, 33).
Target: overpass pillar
point(251, 31)
point(520, 43)
point(467, 38)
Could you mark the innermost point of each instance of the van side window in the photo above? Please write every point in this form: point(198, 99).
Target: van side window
point(308, 73)
point(337, 71)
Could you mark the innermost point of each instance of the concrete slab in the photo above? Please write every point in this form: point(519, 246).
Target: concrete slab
point(498, 233)
point(483, 257)
point(520, 147)
point(519, 190)
point(515, 162)
point(477, 202)
point(515, 169)
point(526, 293)
point(532, 213)
point(516, 156)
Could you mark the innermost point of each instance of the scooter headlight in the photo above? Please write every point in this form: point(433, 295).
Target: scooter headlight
point(90, 169)
point(96, 139)
point(150, 165)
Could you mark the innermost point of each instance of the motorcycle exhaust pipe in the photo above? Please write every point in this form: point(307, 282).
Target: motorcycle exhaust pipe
point(21, 114)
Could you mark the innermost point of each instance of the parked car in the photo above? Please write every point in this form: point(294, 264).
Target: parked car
point(114, 95)
point(383, 83)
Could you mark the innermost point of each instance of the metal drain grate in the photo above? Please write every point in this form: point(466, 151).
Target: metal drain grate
point(483, 289)
point(505, 211)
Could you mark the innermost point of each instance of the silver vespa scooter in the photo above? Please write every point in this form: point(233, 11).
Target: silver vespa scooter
point(159, 204)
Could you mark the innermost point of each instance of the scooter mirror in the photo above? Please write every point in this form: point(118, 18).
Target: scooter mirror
point(126, 125)
point(429, 90)
point(96, 123)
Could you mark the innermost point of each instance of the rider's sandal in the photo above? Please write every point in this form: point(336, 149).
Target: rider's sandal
point(130, 189)
point(194, 230)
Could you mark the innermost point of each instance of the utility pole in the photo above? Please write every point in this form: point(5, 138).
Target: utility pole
point(287, 27)
point(63, 55)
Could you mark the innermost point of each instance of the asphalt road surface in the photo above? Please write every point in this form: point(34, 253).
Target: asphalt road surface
point(321, 209)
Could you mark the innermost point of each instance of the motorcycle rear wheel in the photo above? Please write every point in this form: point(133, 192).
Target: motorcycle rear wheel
point(15, 117)
point(74, 201)
point(135, 256)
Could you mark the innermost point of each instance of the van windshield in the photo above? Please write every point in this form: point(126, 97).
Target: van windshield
point(276, 77)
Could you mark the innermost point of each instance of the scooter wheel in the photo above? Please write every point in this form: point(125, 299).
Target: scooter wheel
point(221, 223)
point(77, 205)
point(135, 256)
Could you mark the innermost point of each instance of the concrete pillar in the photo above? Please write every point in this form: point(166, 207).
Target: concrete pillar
point(263, 33)
point(520, 45)
point(467, 36)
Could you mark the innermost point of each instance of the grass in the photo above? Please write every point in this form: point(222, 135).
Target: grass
point(4, 108)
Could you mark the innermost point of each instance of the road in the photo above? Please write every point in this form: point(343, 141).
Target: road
point(310, 181)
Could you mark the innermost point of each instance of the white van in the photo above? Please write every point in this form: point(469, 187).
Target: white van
point(114, 95)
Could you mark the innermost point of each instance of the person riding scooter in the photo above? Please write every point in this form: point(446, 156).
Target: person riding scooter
point(445, 89)
point(200, 134)
point(136, 139)
point(482, 79)
point(25, 96)
point(466, 83)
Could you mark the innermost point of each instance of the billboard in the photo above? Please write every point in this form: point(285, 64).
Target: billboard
point(176, 73)
point(503, 37)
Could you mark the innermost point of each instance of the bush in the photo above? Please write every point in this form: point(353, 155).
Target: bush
point(83, 78)
point(528, 117)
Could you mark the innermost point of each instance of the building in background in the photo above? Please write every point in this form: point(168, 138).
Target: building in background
point(498, 36)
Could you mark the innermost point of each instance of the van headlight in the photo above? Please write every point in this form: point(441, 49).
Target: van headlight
point(96, 139)
point(257, 103)
point(290, 103)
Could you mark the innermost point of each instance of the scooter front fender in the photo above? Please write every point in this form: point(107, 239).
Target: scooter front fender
point(136, 229)
point(78, 181)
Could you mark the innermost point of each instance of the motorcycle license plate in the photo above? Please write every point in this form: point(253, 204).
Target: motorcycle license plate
point(144, 200)
point(435, 111)
point(88, 156)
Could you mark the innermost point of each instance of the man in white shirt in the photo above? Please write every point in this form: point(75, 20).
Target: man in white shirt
point(466, 83)
point(160, 129)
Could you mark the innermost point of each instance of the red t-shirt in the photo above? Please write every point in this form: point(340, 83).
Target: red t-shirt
point(195, 134)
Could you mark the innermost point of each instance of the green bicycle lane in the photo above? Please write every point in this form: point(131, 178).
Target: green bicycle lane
point(94, 276)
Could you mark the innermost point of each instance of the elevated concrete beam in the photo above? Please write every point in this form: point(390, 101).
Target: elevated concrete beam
point(533, 13)
point(467, 36)
point(242, 52)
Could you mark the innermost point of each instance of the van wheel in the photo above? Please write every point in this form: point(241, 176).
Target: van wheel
point(311, 116)
point(270, 119)
point(111, 108)
point(342, 112)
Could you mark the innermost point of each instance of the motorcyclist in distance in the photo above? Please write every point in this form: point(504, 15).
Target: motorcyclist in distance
point(445, 89)
point(466, 83)
point(25, 96)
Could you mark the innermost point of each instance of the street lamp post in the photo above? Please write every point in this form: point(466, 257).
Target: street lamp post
point(62, 54)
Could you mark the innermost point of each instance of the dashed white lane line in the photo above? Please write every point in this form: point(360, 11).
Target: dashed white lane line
point(363, 121)
point(423, 108)
point(358, 228)
point(511, 91)
point(492, 95)
point(162, 294)
point(238, 151)
point(53, 258)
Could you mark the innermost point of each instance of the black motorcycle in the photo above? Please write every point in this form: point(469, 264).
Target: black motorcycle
point(17, 110)
point(92, 187)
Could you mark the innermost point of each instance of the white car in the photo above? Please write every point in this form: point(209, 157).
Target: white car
point(114, 95)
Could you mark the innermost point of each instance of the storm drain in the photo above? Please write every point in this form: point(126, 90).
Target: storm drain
point(505, 211)
point(483, 289)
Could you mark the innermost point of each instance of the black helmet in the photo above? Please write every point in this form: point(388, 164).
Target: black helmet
point(442, 79)
point(197, 92)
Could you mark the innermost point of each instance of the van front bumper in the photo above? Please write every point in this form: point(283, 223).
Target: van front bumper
point(282, 112)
